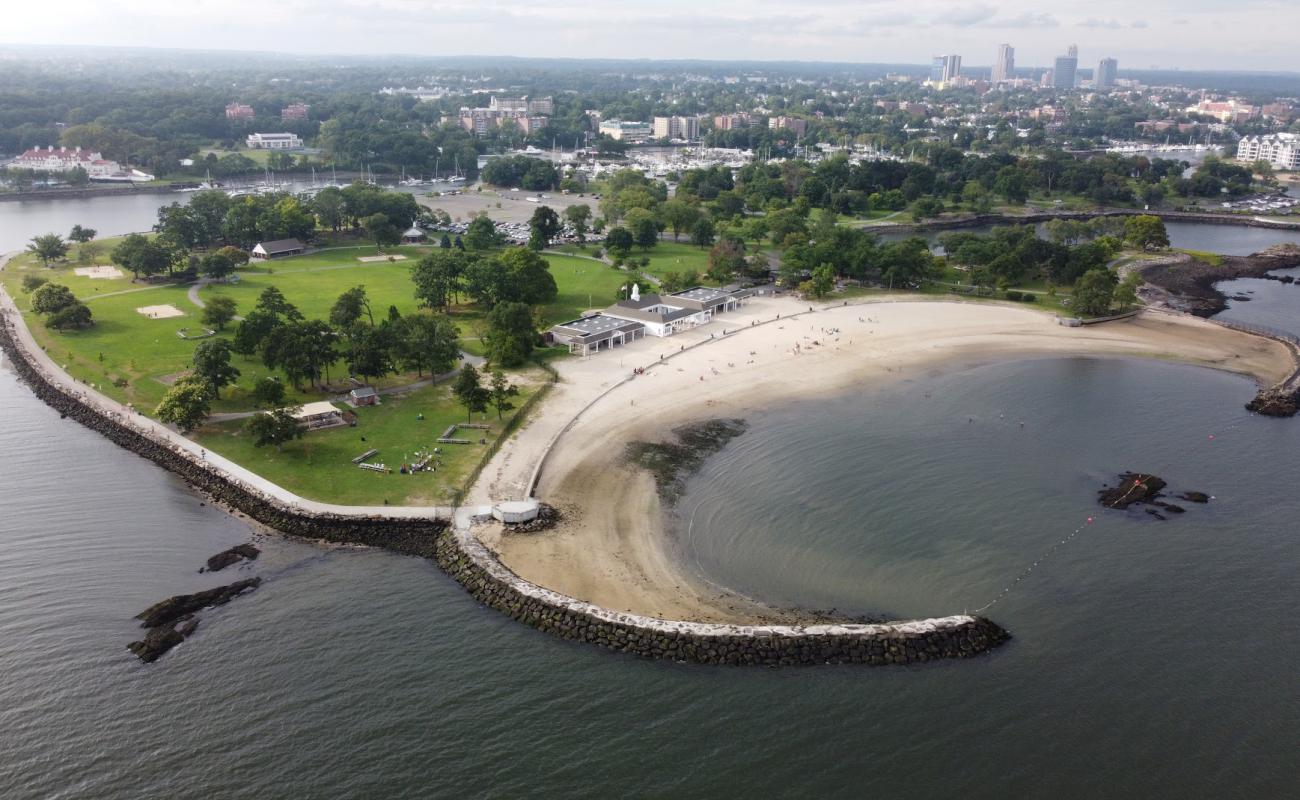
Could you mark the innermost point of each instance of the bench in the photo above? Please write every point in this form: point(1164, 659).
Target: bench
point(368, 454)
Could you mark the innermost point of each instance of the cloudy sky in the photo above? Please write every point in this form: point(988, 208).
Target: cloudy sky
point(1187, 34)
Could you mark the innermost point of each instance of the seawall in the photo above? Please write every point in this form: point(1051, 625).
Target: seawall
point(458, 552)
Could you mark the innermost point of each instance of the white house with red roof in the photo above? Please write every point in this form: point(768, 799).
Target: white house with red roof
point(66, 159)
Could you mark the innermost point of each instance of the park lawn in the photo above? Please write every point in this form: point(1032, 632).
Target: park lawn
point(64, 272)
point(583, 284)
point(259, 157)
point(147, 355)
point(319, 465)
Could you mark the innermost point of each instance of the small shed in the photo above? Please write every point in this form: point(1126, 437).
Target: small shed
point(319, 415)
point(364, 396)
point(277, 249)
point(413, 235)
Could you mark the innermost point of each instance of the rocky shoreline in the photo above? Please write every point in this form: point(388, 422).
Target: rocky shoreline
point(1189, 284)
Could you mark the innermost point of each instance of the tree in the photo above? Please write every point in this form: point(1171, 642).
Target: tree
point(216, 266)
point(211, 361)
point(370, 353)
point(76, 315)
point(218, 311)
point(703, 232)
point(578, 217)
point(1094, 292)
point(52, 298)
point(469, 391)
point(1012, 184)
point(1146, 231)
point(438, 277)
point(726, 259)
point(1126, 292)
point(274, 427)
point(482, 234)
point(303, 350)
point(254, 331)
point(48, 247)
point(142, 256)
point(81, 235)
point(382, 230)
point(273, 301)
point(544, 226)
point(529, 276)
point(186, 404)
point(347, 310)
point(679, 215)
point(619, 240)
point(511, 334)
point(645, 230)
point(821, 283)
point(237, 257)
point(423, 342)
point(268, 392)
point(33, 282)
point(500, 392)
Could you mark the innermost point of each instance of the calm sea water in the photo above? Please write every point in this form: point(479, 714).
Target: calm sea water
point(1271, 305)
point(1151, 658)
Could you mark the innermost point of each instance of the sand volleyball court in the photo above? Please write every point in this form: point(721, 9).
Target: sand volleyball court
point(160, 312)
point(99, 272)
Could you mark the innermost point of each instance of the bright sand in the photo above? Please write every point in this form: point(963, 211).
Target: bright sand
point(612, 548)
point(160, 312)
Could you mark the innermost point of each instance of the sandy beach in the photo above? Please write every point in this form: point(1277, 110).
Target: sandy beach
point(612, 548)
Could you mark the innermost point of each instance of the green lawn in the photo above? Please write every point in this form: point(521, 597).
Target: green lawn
point(319, 465)
point(145, 355)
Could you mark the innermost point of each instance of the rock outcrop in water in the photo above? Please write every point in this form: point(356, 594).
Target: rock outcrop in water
point(1141, 488)
point(170, 621)
point(177, 606)
point(672, 463)
point(1277, 402)
point(235, 554)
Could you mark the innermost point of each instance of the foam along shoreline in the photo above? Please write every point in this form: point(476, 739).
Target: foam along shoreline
point(611, 549)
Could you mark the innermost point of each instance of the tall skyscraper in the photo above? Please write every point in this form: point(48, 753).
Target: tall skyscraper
point(1105, 75)
point(1063, 73)
point(944, 68)
point(1004, 69)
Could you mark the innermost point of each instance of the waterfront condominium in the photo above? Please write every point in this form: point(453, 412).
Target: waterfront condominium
point(1104, 78)
point(1004, 69)
point(1282, 150)
point(1063, 73)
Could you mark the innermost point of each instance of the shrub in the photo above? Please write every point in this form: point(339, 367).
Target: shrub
point(1013, 295)
point(1029, 297)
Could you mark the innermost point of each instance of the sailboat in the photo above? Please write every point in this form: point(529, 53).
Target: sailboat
point(456, 177)
point(202, 187)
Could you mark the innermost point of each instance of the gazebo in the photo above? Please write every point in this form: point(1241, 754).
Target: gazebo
point(413, 235)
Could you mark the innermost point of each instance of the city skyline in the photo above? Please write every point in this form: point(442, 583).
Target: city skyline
point(1163, 34)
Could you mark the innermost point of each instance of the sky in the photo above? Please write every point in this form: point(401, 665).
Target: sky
point(1183, 34)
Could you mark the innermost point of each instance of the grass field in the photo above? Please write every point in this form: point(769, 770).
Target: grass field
point(134, 359)
point(319, 465)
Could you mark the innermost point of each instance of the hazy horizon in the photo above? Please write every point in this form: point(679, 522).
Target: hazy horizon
point(1163, 34)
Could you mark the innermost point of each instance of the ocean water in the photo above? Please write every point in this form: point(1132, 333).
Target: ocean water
point(1269, 304)
point(1151, 658)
